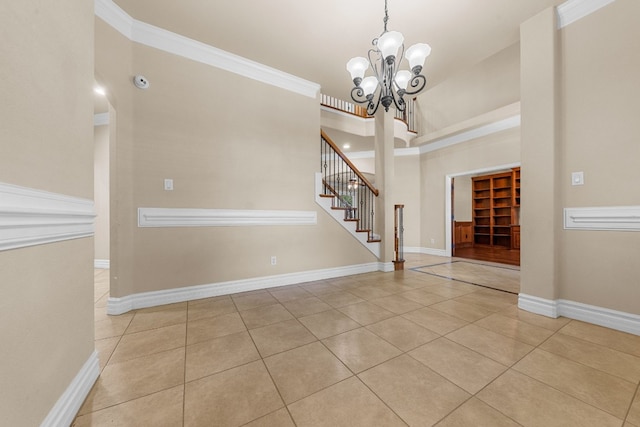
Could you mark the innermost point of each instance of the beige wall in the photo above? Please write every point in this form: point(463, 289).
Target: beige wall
point(462, 199)
point(490, 84)
point(483, 153)
point(407, 193)
point(600, 127)
point(46, 296)
point(228, 142)
point(101, 191)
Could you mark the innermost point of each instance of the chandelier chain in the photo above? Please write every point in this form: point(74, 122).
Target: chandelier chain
point(386, 16)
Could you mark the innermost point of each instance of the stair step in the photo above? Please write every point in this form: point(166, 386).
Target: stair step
point(352, 219)
point(362, 231)
point(331, 196)
point(374, 240)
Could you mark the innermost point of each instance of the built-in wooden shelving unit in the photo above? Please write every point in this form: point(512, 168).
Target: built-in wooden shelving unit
point(496, 203)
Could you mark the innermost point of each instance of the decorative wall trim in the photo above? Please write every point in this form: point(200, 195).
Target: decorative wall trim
point(30, 217)
point(176, 44)
point(538, 305)
point(573, 10)
point(127, 303)
point(398, 152)
point(101, 119)
point(485, 130)
point(101, 264)
point(68, 405)
point(618, 320)
point(425, 251)
point(612, 218)
point(178, 217)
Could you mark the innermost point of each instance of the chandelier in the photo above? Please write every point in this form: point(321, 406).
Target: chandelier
point(388, 85)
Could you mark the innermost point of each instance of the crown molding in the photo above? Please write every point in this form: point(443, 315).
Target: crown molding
point(574, 10)
point(30, 217)
point(167, 41)
point(489, 129)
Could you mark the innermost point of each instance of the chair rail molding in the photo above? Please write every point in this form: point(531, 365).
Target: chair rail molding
point(179, 217)
point(607, 218)
point(30, 217)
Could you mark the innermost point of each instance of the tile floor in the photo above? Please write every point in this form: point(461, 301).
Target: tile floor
point(377, 349)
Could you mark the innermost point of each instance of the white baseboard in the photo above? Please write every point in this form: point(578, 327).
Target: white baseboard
point(538, 305)
point(618, 320)
point(127, 303)
point(101, 263)
point(425, 251)
point(68, 405)
point(386, 267)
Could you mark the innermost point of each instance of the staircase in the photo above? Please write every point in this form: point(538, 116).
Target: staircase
point(345, 193)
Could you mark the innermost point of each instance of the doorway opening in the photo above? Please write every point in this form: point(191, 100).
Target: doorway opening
point(464, 229)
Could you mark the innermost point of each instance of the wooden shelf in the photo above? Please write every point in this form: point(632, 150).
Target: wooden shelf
point(496, 204)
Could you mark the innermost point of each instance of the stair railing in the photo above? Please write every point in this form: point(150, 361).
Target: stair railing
point(348, 188)
point(408, 116)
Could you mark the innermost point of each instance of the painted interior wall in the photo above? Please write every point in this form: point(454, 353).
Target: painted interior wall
point(228, 142)
point(488, 85)
point(600, 97)
point(46, 292)
point(462, 199)
point(101, 191)
point(407, 192)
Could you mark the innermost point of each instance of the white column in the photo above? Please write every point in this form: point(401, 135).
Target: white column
point(384, 163)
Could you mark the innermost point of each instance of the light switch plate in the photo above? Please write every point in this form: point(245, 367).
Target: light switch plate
point(577, 178)
point(168, 184)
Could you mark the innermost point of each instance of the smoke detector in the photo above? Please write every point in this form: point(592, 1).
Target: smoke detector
point(141, 82)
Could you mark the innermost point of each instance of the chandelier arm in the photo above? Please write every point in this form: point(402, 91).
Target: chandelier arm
point(399, 103)
point(357, 94)
point(372, 107)
point(419, 82)
point(372, 63)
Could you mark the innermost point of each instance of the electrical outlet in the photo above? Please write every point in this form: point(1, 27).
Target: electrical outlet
point(168, 184)
point(433, 241)
point(274, 260)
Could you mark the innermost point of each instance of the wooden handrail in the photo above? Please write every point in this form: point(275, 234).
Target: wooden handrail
point(348, 162)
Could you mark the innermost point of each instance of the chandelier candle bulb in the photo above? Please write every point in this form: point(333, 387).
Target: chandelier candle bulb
point(357, 67)
point(416, 55)
point(402, 79)
point(369, 85)
point(389, 43)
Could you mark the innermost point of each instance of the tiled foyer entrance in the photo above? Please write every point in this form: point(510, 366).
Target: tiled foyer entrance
point(378, 349)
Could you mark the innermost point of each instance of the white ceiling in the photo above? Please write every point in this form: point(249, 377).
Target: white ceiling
point(315, 39)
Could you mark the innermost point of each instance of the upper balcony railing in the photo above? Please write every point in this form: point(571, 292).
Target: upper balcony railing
point(408, 116)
